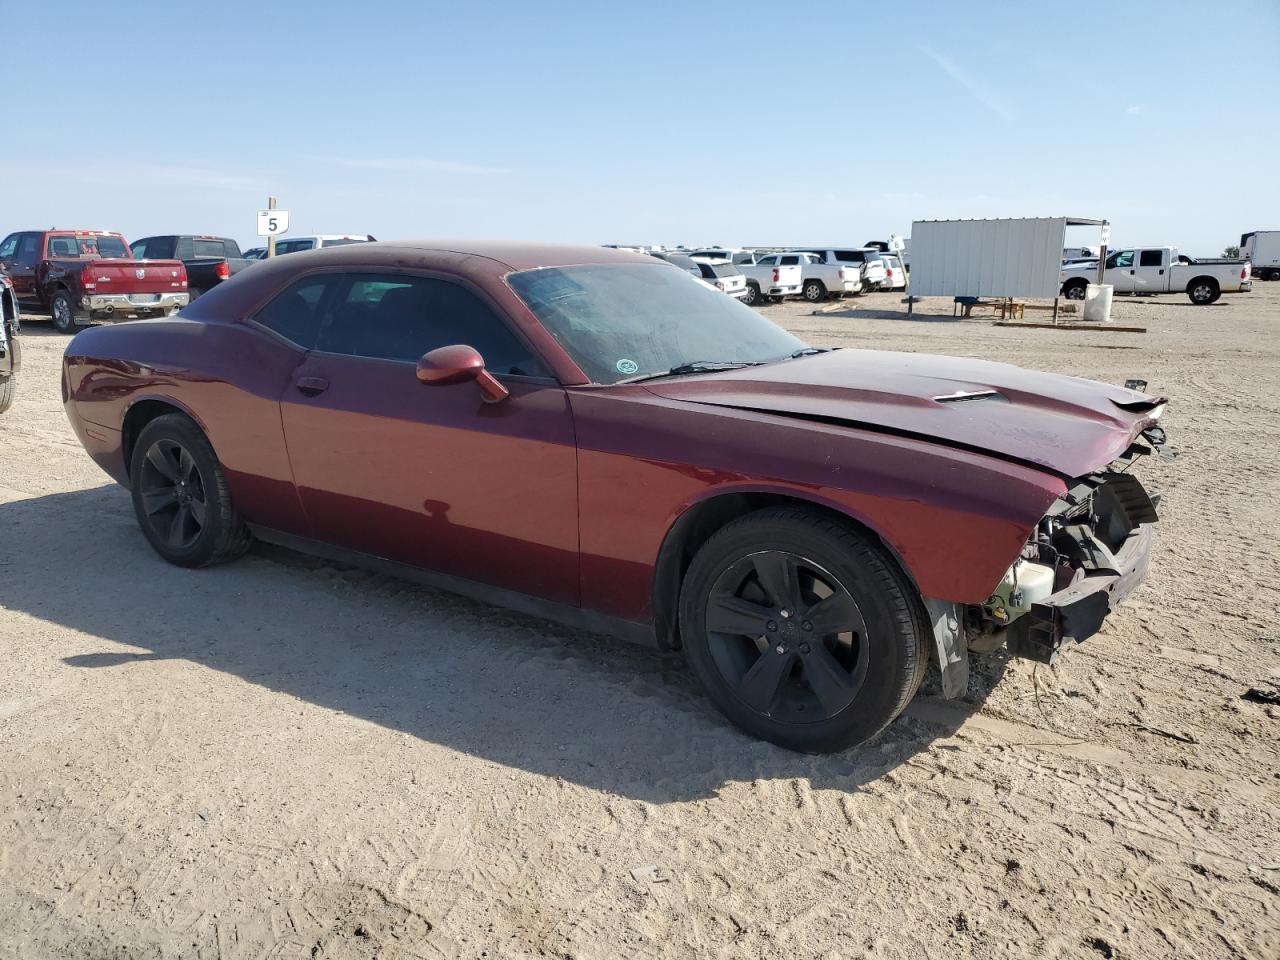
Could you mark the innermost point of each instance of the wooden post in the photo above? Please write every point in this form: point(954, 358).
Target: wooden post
point(271, 240)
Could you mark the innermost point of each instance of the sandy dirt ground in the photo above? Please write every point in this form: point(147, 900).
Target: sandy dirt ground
point(282, 758)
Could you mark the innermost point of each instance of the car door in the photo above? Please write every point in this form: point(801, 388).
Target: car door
point(21, 267)
point(1120, 271)
point(433, 476)
point(1151, 272)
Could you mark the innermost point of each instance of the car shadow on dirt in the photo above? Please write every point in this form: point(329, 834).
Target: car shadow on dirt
point(511, 689)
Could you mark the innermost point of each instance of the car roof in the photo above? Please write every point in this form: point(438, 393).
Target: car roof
point(483, 262)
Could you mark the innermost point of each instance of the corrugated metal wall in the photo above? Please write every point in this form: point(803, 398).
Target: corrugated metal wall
point(987, 258)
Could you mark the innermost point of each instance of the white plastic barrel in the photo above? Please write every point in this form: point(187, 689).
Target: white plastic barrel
point(1097, 301)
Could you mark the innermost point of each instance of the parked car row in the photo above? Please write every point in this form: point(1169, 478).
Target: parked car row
point(770, 274)
point(76, 276)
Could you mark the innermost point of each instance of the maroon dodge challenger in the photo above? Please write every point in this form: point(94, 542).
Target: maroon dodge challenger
point(596, 437)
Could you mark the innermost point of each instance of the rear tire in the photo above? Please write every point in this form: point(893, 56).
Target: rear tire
point(180, 495)
point(1203, 291)
point(753, 296)
point(63, 312)
point(7, 391)
point(812, 678)
point(814, 291)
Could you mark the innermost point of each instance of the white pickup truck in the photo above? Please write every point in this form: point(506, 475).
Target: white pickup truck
point(830, 271)
point(819, 279)
point(1143, 270)
point(773, 280)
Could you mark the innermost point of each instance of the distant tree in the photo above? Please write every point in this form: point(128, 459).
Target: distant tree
point(1231, 253)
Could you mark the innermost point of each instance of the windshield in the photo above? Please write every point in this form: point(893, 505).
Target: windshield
point(627, 320)
point(61, 245)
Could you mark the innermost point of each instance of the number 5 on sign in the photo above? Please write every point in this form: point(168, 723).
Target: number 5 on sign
point(272, 222)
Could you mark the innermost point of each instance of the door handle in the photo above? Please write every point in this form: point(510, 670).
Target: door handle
point(312, 386)
point(1131, 273)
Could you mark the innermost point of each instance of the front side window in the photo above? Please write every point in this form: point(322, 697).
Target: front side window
point(139, 248)
point(9, 246)
point(389, 317)
point(1123, 258)
point(28, 249)
point(341, 242)
point(295, 313)
point(621, 321)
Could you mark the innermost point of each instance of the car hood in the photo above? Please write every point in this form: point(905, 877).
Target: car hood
point(1066, 425)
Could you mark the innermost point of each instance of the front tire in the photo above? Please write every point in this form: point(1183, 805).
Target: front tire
point(180, 495)
point(802, 629)
point(63, 312)
point(1075, 289)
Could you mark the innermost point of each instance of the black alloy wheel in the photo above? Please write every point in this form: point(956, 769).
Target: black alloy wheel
point(173, 495)
point(181, 497)
point(802, 628)
point(787, 637)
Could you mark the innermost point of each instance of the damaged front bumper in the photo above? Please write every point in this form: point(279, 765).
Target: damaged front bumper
point(1077, 612)
point(1089, 552)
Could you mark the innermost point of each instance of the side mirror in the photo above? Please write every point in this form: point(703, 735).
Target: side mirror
point(444, 366)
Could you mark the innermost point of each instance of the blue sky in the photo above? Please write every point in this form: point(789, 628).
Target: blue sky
point(648, 122)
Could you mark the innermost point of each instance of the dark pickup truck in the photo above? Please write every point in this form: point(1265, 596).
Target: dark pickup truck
point(75, 275)
point(209, 260)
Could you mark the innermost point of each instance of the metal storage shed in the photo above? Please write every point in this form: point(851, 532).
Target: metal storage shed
point(990, 258)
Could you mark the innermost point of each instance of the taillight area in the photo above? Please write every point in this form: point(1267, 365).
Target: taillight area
point(1244, 272)
point(777, 275)
point(223, 270)
point(86, 278)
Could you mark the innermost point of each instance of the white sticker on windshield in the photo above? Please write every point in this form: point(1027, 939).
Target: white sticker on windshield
point(627, 367)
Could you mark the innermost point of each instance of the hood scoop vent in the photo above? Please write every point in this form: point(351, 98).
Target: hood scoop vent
point(969, 396)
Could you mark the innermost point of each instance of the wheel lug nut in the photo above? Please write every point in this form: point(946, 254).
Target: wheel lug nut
point(804, 648)
point(806, 625)
point(772, 626)
point(784, 613)
point(780, 649)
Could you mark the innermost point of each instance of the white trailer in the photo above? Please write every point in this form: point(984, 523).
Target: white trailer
point(1262, 249)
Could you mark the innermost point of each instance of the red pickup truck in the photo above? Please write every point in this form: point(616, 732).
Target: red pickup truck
point(80, 275)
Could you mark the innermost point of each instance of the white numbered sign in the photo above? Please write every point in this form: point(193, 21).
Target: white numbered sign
point(272, 222)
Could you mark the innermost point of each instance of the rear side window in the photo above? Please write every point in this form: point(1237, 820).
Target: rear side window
point(790, 261)
point(139, 248)
point(851, 256)
point(1151, 258)
point(401, 318)
point(295, 313)
point(215, 248)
